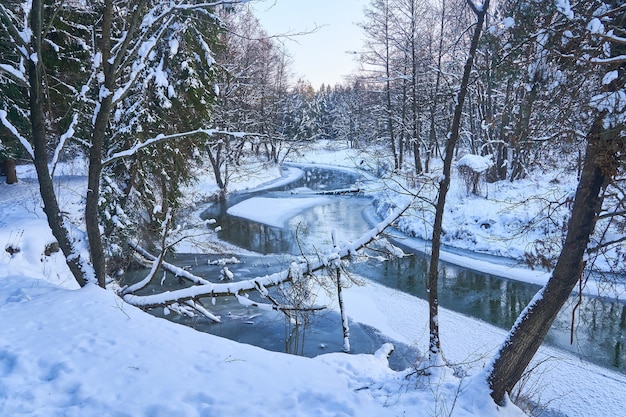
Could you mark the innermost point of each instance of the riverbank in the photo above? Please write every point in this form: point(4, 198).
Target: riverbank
point(506, 230)
point(86, 353)
point(471, 342)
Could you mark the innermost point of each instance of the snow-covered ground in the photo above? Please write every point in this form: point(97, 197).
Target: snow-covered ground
point(281, 210)
point(493, 232)
point(84, 352)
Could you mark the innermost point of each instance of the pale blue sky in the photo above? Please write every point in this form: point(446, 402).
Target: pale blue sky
point(319, 57)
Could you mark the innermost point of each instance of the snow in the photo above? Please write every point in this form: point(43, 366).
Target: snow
point(476, 163)
point(13, 71)
point(595, 26)
point(174, 45)
point(573, 387)
point(7, 124)
point(609, 77)
point(107, 358)
point(273, 211)
point(508, 22)
point(85, 352)
point(564, 7)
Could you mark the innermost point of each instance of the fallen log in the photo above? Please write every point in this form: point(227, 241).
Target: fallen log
point(207, 289)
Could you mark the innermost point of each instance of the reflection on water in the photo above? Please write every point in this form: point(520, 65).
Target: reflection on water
point(599, 323)
point(269, 329)
point(305, 232)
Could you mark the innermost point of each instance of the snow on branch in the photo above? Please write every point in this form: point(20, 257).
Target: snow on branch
point(161, 137)
point(27, 146)
point(148, 278)
point(20, 38)
point(18, 74)
point(143, 51)
point(207, 289)
point(476, 163)
point(64, 137)
point(196, 305)
point(476, 8)
point(245, 301)
point(177, 271)
point(156, 18)
point(612, 60)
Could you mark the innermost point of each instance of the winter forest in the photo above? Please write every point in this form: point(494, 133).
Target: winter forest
point(136, 135)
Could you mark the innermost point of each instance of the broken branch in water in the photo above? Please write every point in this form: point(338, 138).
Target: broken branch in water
point(205, 289)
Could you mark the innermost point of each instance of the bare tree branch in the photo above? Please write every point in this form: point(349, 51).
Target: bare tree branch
point(209, 289)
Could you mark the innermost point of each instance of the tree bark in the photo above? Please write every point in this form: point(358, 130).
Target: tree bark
point(533, 324)
point(92, 224)
point(37, 119)
point(433, 271)
point(345, 327)
point(8, 167)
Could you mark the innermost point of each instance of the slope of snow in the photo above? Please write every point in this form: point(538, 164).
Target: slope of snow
point(560, 381)
point(86, 353)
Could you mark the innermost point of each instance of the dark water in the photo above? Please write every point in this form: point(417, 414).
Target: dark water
point(270, 329)
point(599, 324)
point(315, 224)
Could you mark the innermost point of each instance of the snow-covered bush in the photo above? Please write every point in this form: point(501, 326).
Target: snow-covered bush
point(471, 169)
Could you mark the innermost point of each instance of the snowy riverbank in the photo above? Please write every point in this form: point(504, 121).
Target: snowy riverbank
point(85, 353)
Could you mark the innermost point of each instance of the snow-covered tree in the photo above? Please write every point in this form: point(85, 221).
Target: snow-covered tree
point(585, 40)
point(107, 75)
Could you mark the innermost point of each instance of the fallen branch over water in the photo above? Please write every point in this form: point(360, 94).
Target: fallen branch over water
point(207, 289)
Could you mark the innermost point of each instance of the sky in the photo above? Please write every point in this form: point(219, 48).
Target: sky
point(322, 57)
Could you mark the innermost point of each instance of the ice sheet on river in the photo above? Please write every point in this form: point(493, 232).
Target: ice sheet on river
point(273, 211)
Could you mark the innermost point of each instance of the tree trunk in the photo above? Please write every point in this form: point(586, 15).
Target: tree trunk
point(432, 133)
point(8, 167)
point(417, 158)
point(533, 324)
point(92, 223)
point(433, 272)
point(345, 327)
point(37, 120)
point(216, 163)
point(390, 128)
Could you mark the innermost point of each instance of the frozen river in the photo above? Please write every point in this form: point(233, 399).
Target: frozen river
point(288, 220)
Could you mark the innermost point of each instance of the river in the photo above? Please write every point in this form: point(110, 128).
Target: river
point(599, 327)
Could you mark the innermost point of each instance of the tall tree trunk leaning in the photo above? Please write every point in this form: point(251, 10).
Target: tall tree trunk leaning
point(530, 329)
point(39, 152)
point(433, 272)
